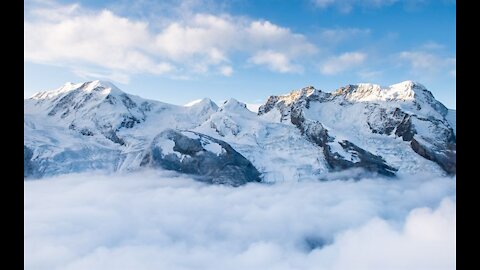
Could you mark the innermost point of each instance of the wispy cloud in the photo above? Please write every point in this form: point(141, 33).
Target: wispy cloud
point(160, 220)
point(337, 35)
point(275, 61)
point(453, 71)
point(72, 36)
point(226, 70)
point(346, 6)
point(343, 62)
point(428, 63)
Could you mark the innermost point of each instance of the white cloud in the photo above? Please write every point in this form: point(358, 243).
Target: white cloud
point(431, 45)
point(337, 35)
point(102, 39)
point(370, 75)
point(159, 220)
point(345, 61)
point(427, 240)
point(453, 71)
point(226, 70)
point(275, 61)
point(346, 6)
point(428, 63)
point(71, 36)
point(421, 60)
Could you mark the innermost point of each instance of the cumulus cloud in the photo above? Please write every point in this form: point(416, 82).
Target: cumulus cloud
point(159, 220)
point(345, 61)
point(426, 241)
point(69, 35)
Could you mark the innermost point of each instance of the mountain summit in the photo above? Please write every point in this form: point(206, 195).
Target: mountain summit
point(305, 134)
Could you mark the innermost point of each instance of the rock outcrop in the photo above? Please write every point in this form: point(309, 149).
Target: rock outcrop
point(208, 159)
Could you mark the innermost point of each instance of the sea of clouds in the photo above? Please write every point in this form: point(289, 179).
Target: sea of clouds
point(159, 220)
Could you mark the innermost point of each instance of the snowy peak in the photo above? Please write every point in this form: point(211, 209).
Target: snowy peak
point(202, 103)
point(364, 92)
point(100, 87)
point(202, 108)
point(296, 96)
point(90, 108)
point(408, 85)
point(233, 105)
point(408, 95)
point(78, 97)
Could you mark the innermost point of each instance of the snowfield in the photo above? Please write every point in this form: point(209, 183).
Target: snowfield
point(162, 220)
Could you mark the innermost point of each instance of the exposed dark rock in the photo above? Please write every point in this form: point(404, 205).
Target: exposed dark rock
point(405, 129)
point(145, 106)
point(63, 103)
point(446, 158)
point(128, 122)
point(28, 164)
point(86, 132)
point(368, 161)
point(439, 148)
point(268, 106)
point(128, 102)
point(316, 133)
point(83, 102)
point(112, 136)
point(111, 99)
point(229, 167)
point(381, 121)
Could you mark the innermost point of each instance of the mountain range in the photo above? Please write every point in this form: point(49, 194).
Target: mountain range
point(305, 134)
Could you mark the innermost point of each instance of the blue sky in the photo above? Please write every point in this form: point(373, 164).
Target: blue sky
point(178, 51)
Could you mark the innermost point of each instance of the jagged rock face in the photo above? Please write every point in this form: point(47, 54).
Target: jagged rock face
point(406, 110)
point(209, 159)
point(319, 135)
point(367, 160)
point(444, 156)
point(440, 147)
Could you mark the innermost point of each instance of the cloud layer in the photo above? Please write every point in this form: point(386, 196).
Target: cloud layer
point(72, 36)
point(162, 221)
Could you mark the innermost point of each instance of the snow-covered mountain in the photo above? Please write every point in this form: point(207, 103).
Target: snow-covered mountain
point(306, 134)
